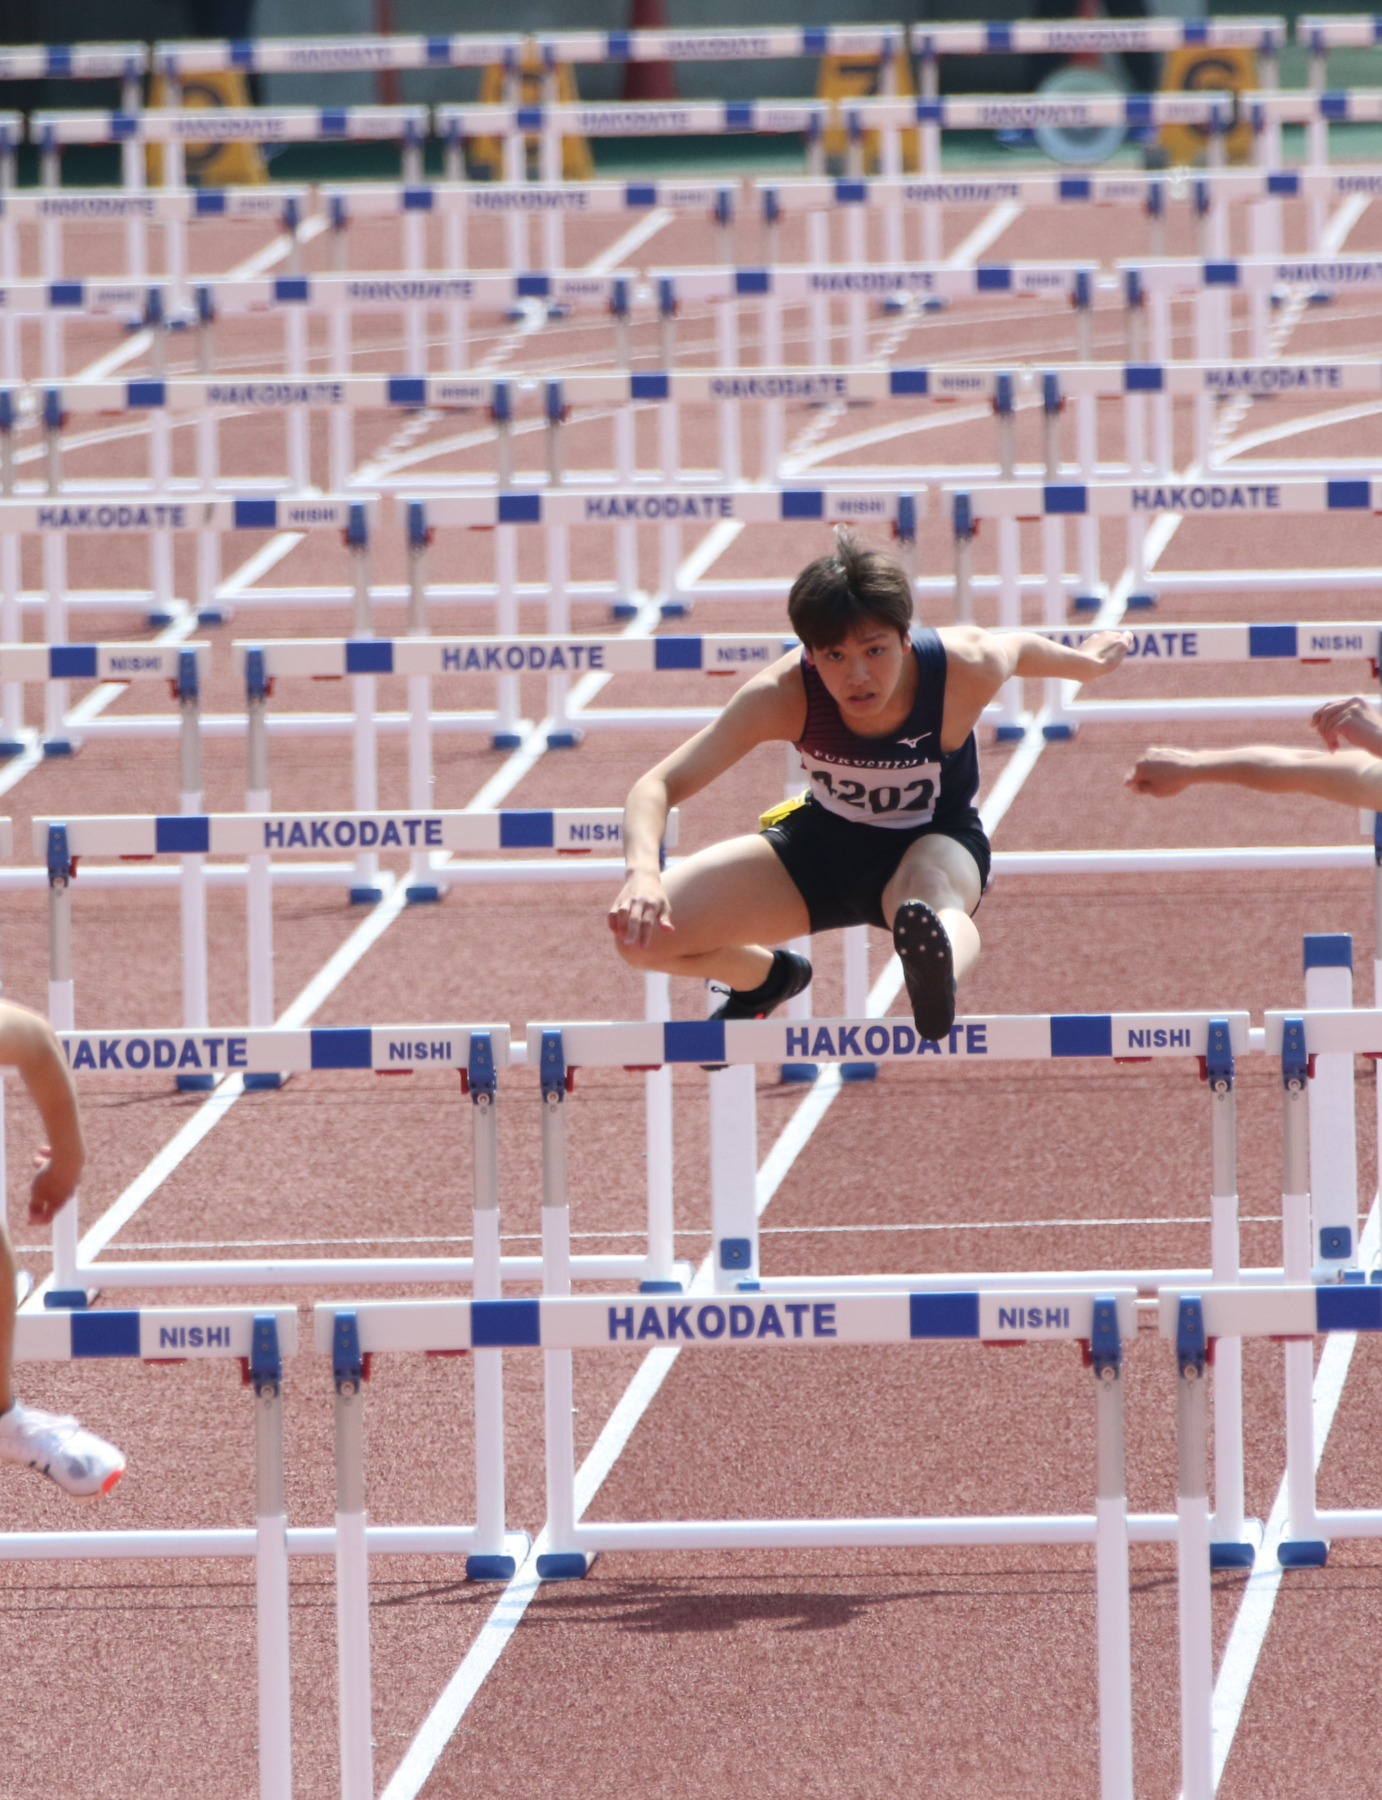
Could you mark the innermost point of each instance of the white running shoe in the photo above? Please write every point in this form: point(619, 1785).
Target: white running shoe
point(61, 1448)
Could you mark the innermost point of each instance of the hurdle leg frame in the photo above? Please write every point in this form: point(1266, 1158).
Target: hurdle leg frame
point(365, 890)
point(423, 886)
point(733, 1178)
point(660, 1275)
point(1113, 1600)
point(352, 1566)
point(1306, 1547)
point(560, 1561)
point(1229, 1547)
point(271, 1569)
point(192, 887)
point(564, 733)
point(489, 1561)
point(1193, 1568)
point(259, 897)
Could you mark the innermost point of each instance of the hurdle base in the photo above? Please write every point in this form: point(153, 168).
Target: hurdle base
point(1141, 602)
point(566, 739)
point(1087, 603)
point(59, 747)
point(798, 1072)
point(675, 608)
point(865, 1071)
point(624, 609)
point(366, 896)
point(194, 1084)
point(261, 1081)
point(1228, 1555)
point(1009, 734)
point(423, 893)
point(1302, 1553)
point(1058, 733)
point(219, 614)
point(505, 740)
point(566, 1565)
point(660, 1287)
point(69, 1299)
point(159, 617)
point(491, 1568)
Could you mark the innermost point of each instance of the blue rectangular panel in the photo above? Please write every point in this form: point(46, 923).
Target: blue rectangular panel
point(241, 54)
point(255, 515)
point(1194, 31)
point(209, 201)
point(1348, 1308)
point(1081, 1034)
point(105, 1334)
point(72, 662)
point(640, 193)
point(1283, 181)
point(332, 122)
point(526, 829)
point(438, 52)
point(505, 1324)
point(930, 112)
point(1137, 111)
point(369, 656)
point(752, 281)
point(123, 126)
point(1221, 274)
point(1075, 187)
point(341, 1047)
point(993, 278)
point(1328, 950)
point(520, 509)
point(677, 653)
point(815, 40)
point(802, 503)
point(182, 834)
point(145, 393)
point(1065, 497)
point(998, 37)
point(1272, 640)
point(529, 118)
point(851, 193)
point(533, 287)
point(1334, 106)
point(64, 293)
point(417, 199)
point(291, 288)
point(649, 387)
point(407, 390)
point(57, 60)
point(1142, 378)
point(1348, 496)
point(618, 46)
point(909, 381)
point(693, 1040)
point(738, 115)
point(945, 1315)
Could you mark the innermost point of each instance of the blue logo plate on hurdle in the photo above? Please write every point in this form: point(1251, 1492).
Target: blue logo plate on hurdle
point(342, 1047)
point(187, 834)
point(693, 1040)
point(505, 1324)
point(105, 1334)
point(945, 1315)
point(1081, 1034)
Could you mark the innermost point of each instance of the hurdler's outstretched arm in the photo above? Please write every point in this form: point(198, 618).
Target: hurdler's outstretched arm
point(1352, 777)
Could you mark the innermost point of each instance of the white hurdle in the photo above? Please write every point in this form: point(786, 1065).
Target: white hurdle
point(183, 666)
point(259, 1339)
point(559, 1324)
point(732, 1049)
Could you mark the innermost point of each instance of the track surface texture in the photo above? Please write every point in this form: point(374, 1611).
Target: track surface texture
point(850, 1674)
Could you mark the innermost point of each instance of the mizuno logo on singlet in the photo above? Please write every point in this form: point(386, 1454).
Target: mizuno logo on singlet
point(912, 743)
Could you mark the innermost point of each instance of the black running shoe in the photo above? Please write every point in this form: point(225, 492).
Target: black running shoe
point(924, 952)
point(788, 975)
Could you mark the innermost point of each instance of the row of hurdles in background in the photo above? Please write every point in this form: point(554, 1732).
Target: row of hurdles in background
point(1322, 1286)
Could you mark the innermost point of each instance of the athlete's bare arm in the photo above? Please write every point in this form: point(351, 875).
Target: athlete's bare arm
point(772, 705)
point(1352, 776)
point(979, 662)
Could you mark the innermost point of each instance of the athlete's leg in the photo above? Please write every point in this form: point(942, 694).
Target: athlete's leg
point(727, 902)
point(940, 871)
point(1350, 777)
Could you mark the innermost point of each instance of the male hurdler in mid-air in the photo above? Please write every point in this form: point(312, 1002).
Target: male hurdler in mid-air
point(883, 713)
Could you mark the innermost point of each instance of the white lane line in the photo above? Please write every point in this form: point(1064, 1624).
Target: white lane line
point(1259, 1596)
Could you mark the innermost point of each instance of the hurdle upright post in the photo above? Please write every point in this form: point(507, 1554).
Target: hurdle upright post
point(195, 1005)
point(259, 877)
point(55, 739)
point(11, 622)
point(660, 1277)
point(1113, 1597)
point(352, 1563)
point(559, 1562)
point(271, 1565)
point(733, 1177)
point(365, 889)
point(1228, 1550)
point(1305, 1547)
point(962, 521)
point(61, 1009)
point(1192, 1560)
point(1087, 438)
point(422, 883)
point(1333, 1122)
point(488, 1561)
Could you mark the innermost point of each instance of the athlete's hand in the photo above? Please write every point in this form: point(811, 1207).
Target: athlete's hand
point(1105, 649)
point(1161, 772)
point(1341, 722)
point(51, 1189)
point(641, 909)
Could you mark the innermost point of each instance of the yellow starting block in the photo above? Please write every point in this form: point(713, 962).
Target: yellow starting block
point(485, 155)
point(209, 165)
point(1204, 70)
point(841, 78)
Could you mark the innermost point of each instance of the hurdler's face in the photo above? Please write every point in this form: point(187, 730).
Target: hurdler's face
point(862, 673)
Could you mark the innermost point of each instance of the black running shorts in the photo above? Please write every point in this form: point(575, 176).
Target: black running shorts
point(840, 868)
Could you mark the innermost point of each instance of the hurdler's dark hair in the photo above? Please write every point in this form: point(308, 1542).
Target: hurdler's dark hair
point(837, 594)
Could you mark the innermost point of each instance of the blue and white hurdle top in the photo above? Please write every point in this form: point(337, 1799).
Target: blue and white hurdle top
point(124, 513)
point(275, 1050)
point(74, 62)
point(1289, 1311)
point(1100, 36)
point(105, 662)
point(154, 1333)
point(1043, 280)
point(667, 506)
point(613, 1321)
point(1352, 640)
point(1228, 498)
point(329, 658)
point(1036, 1037)
point(232, 124)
